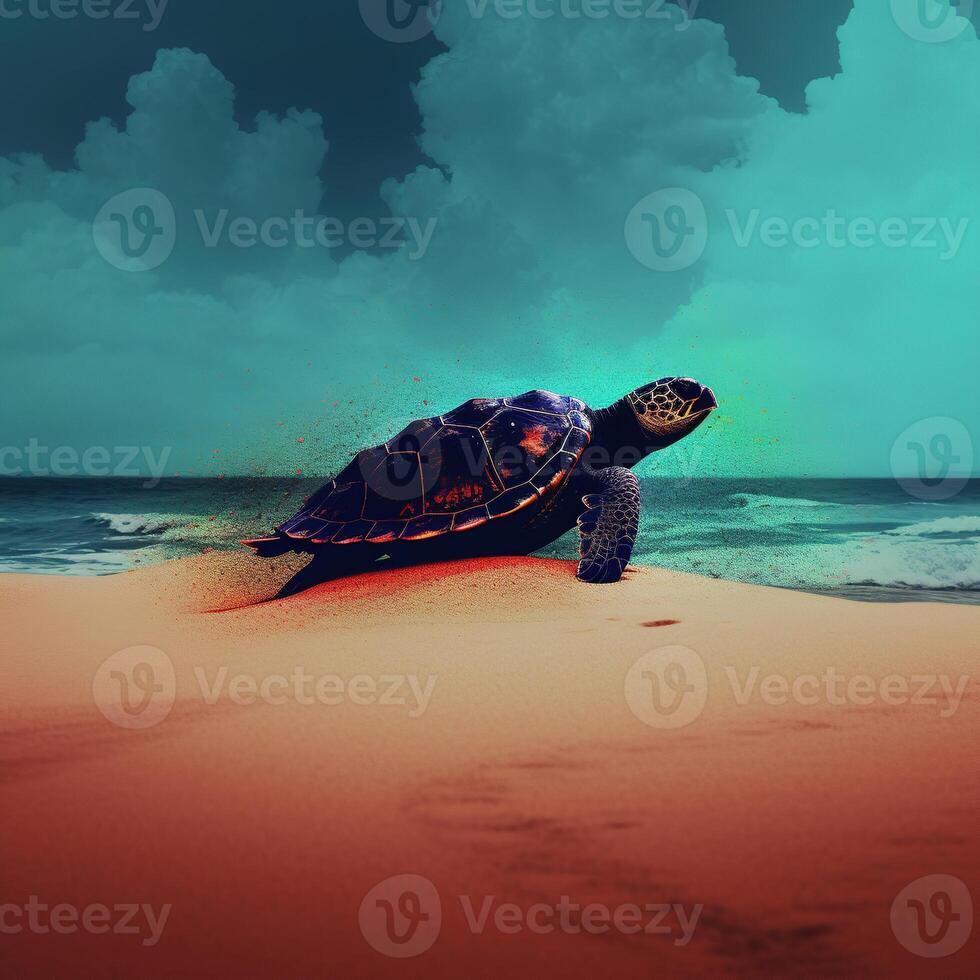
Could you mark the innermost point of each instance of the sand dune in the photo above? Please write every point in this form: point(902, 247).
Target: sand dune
point(758, 773)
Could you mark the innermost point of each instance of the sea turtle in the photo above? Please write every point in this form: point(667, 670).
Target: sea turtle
point(496, 476)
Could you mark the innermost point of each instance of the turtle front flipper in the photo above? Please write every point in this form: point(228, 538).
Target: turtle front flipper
point(609, 524)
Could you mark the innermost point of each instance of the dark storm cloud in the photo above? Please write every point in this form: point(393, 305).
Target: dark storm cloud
point(66, 71)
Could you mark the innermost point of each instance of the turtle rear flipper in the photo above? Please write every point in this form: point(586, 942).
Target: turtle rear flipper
point(270, 547)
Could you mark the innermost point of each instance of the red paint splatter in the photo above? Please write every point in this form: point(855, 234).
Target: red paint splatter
point(416, 380)
point(662, 622)
point(301, 439)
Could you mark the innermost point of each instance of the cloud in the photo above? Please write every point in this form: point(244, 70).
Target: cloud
point(545, 134)
point(844, 346)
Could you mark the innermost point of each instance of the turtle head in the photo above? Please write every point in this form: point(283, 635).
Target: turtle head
point(671, 408)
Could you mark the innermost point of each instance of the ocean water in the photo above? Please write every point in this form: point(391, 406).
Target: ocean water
point(863, 539)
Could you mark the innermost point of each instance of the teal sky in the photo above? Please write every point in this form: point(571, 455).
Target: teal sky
point(821, 277)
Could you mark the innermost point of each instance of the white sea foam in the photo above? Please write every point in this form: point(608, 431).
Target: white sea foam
point(78, 563)
point(140, 523)
point(965, 524)
point(889, 559)
point(764, 500)
point(896, 561)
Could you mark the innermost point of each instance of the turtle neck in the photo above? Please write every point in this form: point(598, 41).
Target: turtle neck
point(616, 428)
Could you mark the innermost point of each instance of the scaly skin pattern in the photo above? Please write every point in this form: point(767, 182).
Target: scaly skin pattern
point(609, 525)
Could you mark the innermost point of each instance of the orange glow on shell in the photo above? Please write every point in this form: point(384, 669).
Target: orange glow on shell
point(533, 441)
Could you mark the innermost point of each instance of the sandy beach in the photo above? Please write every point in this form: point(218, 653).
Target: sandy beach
point(671, 776)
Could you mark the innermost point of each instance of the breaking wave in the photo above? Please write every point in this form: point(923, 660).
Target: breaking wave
point(141, 524)
point(939, 554)
point(941, 527)
point(176, 533)
point(803, 543)
point(753, 500)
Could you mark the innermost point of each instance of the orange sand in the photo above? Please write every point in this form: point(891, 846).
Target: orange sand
point(527, 776)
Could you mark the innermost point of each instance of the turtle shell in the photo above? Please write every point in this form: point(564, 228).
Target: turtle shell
point(482, 461)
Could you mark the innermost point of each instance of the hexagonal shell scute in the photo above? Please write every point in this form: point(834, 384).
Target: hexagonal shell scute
point(511, 500)
point(465, 520)
point(427, 526)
